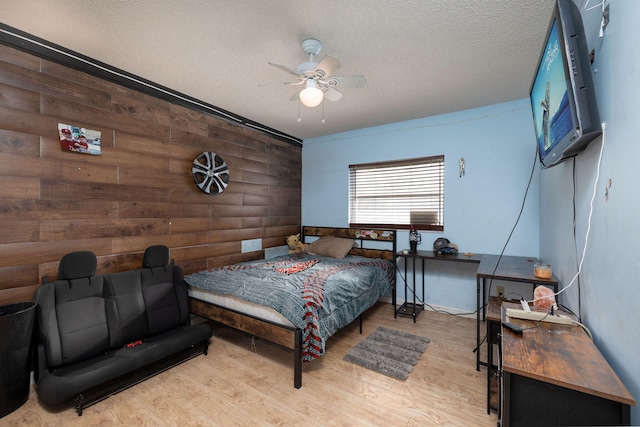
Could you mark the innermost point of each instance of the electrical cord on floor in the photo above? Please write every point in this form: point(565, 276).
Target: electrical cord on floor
point(432, 308)
point(480, 343)
point(407, 287)
point(438, 310)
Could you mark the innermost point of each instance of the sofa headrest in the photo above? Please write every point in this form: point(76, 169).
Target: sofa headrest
point(156, 256)
point(76, 265)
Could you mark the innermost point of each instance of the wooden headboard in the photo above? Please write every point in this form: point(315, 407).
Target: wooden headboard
point(362, 236)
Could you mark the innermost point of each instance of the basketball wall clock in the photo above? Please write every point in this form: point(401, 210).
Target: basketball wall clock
point(210, 173)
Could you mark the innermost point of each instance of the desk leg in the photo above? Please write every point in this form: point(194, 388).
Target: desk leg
point(485, 300)
point(424, 297)
point(395, 298)
point(489, 363)
point(478, 279)
point(394, 291)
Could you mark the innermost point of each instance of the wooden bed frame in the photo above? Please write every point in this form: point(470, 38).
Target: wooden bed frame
point(287, 336)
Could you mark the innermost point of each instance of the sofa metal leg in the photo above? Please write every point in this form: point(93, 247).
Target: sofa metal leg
point(79, 401)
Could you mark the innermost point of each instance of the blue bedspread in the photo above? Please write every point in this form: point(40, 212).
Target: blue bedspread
point(315, 293)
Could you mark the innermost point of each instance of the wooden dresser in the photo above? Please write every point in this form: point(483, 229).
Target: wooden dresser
point(554, 375)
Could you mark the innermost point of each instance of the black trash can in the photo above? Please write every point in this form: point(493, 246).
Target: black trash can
point(16, 330)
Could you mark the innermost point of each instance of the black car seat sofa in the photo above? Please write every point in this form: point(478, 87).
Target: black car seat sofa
point(99, 334)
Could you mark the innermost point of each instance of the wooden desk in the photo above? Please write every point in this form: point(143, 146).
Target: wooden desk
point(509, 268)
point(512, 269)
point(554, 375)
point(413, 309)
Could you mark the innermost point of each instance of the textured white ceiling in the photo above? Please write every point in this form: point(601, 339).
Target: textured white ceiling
point(420, 57)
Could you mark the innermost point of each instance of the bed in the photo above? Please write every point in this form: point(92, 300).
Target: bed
point(299, 300)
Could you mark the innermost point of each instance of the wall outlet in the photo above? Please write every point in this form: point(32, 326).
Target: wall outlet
point(251, 245)
point(500, 291)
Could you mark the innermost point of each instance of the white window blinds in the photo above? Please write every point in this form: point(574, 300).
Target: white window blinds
point(400, 194)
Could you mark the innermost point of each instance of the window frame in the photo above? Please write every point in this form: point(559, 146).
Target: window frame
point(433, 166)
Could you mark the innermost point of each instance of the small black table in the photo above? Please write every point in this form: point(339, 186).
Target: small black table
point(413, 309)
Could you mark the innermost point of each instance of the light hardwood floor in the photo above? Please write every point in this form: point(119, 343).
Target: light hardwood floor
point(250, 382)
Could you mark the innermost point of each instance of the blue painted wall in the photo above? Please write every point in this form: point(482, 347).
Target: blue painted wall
point(481, 208)
point(607, 290)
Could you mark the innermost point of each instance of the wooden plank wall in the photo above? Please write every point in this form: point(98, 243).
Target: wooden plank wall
point(139, 192)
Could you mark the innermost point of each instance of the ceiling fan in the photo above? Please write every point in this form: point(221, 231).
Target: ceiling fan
point(317, 77)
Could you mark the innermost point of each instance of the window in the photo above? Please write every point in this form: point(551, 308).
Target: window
point(398, 194)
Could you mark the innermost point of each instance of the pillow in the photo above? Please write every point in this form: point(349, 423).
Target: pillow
point(335, 247)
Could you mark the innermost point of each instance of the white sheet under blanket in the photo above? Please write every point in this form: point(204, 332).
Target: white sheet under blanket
point(237, 304)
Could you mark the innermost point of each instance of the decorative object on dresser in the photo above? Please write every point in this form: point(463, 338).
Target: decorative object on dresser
point(389, 352)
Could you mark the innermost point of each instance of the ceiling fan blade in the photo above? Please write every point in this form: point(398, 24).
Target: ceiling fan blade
point(298, 83)
point(326, 67)
point(346, 81)
point(295, 97)
point(288, 70)
point(331, 94)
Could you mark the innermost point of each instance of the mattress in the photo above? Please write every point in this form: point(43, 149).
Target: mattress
point(237, 304)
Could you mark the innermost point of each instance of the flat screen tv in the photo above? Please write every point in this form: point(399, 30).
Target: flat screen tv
point(563, 98)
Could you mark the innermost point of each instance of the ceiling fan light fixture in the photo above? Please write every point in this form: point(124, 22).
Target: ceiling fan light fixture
point(311, 96)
